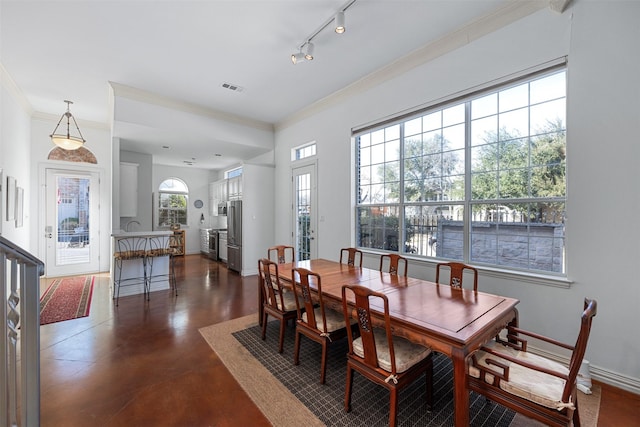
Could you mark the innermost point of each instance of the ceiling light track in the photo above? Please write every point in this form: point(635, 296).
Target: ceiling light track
point(305, 49)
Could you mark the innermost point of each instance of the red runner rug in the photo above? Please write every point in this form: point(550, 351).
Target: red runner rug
point(66, 299)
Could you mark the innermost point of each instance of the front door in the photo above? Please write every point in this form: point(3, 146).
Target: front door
point(71, 224)
point(304, 212)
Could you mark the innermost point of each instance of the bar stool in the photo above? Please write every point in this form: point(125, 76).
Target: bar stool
point(160, 246)
point(129, 249)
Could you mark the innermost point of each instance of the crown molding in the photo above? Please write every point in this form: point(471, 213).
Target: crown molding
point(37, 115)
point(501, 17)
point(124, 91)
point(10, 85)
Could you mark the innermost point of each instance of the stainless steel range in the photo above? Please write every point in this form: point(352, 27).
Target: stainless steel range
point(214, 243)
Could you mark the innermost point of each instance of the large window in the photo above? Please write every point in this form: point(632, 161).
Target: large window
point(479, 180)
point(173, 197)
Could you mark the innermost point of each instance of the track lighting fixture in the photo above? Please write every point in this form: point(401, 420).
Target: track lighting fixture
point(340, 23)
point(307, 45)
point(297, 57)
point(308, 54)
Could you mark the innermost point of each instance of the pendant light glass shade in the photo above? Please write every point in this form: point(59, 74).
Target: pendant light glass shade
point(297, 57)
point(67, 141)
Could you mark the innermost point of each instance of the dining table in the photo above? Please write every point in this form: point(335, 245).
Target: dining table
point(452, 321)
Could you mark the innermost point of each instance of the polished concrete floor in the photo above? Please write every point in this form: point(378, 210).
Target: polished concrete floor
point(144, 363)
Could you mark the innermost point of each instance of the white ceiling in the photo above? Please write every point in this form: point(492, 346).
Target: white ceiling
point(179, 53)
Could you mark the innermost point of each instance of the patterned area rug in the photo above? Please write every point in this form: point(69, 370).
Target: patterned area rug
point(66, 299)
point(370, 402)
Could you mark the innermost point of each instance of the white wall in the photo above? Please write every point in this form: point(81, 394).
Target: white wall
point(15, 150)
point(197, 181)
point(600, 40)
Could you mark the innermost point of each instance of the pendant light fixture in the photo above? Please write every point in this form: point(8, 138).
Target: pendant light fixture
point(67, 141)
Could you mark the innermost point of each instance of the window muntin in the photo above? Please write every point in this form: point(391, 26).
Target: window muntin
point(173, 198)
point(498, 156)
point(303, 152)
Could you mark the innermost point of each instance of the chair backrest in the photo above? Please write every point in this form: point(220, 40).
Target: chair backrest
point(270, 285)
point(158, 246)
point(130, 247)
point(395, 262)
point(456, 273)
point(589, 312)
point(352, 255)
point(280, 252)
point(361, 302)
point(304, 302)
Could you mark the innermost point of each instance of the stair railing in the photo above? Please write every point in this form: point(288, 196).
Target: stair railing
point(20, 316)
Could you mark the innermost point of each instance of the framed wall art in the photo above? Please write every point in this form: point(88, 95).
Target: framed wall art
point(19, 206)
point(11, 198)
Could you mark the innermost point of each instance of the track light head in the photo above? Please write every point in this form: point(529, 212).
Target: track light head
point(297, 57)
point(339, 20)
point(308, 55)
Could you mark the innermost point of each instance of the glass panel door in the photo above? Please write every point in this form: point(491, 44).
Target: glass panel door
point(304, 199)
point(71, 222)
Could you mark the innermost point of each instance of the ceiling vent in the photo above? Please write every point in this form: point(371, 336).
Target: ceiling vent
point(232, 87)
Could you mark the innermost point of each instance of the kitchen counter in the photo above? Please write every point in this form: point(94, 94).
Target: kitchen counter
point(122, 233)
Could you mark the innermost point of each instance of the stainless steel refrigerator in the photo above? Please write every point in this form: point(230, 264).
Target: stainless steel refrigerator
point(234, 235)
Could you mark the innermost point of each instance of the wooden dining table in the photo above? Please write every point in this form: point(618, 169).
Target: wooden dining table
point(452, 321)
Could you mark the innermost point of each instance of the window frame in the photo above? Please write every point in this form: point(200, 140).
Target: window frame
point(467, 202)
point(179, 192)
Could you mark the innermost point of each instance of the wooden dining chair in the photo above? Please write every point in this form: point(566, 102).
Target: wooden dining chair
point(315, 321)
point(456, 273)
point(390, 361)
point(395, 261)
point(281, 254)
point(275, 302)
point(535, 386)
point(353, 257)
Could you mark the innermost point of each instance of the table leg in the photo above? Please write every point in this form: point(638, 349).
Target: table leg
point(460, 392)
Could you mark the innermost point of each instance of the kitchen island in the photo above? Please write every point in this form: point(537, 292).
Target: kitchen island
point(141, 262)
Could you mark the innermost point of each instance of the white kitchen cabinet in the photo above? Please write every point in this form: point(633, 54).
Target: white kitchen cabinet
point(235, 188)
point(213, 202)
point(218, 193)
point(128, 189)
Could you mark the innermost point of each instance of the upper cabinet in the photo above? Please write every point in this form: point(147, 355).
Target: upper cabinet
point(235, 188)
point(128, 189)
point(218, 193)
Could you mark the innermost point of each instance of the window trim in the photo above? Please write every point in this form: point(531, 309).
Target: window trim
point(559, 279)
point(178, 192)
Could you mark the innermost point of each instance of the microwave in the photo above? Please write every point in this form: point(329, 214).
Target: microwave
point(222, 208)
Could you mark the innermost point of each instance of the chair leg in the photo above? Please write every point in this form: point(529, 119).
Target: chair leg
point(347, 389)
point(264, 325)
point(393, 406)
point(323, 363)
point(282, 326)
point(296, 349)
point(576, 415)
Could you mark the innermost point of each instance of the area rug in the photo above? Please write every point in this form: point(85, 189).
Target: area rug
point(292, 407)
point(66, 299)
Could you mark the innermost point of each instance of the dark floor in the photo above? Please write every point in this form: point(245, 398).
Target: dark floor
point(145, 363)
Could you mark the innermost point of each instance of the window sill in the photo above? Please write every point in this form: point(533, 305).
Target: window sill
point(518, 276)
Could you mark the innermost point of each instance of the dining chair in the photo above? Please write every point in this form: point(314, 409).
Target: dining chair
point(456, 273)
point(395, 261)
point(352, 255)
point(315, 321)
point(277, 303)
point(281, 254)
point(387, 360)
point(536, 386)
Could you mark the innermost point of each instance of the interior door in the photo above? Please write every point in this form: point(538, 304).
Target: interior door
point(304, 212)
point(71, 223)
